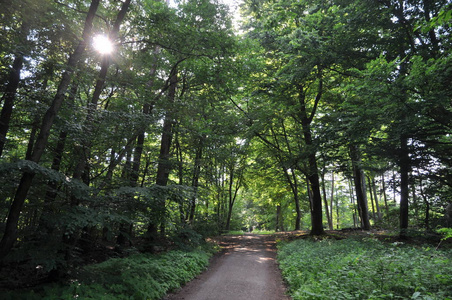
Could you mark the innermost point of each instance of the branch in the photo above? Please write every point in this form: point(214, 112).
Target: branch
point(259, 135)
point(317, 97)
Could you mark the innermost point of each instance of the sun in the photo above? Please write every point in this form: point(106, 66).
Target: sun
point(102, 44)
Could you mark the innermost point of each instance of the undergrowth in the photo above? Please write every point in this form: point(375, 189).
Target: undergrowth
point(139, 276)
point(366, 269)
point(241, 232)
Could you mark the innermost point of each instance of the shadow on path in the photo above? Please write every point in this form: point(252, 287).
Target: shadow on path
point(247, 269)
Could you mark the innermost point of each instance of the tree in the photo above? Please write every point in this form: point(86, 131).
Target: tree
point(9, 236)
point(307, 45)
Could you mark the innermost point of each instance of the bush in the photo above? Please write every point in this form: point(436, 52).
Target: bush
point(369, 269)
point(140, 276)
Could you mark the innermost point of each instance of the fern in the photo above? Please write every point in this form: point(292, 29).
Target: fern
point(140, 276)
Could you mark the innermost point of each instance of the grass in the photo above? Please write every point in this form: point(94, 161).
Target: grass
point(241, 232)
point(139, 276)
point(365, 269)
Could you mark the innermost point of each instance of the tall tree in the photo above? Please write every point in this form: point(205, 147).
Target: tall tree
point(10, 234)
point(305, 56)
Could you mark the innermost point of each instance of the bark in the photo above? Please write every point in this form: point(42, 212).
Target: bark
point(8, 99)
point(115, 159)
point(183, 215)
point(330, 221)
point(377, 205)
point(164, 164)
point(404, 165)
point(332, 200)
point(337, 213)
point(352, 201)
point(359, 188)
point(56, 163)
point(291, 178)
point(384, 195)
point(31, 140)
point(369, 183)
point(313, 172)
point(414, 199)
point(325, 201)
point(427, 206)
point(147, 109)
point(232, 192)
point(308, 189)
point(10, 234)
point(195, 179)
point(279, 220)
point(293, 183)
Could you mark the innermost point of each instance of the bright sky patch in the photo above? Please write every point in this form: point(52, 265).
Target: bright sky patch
point(102, 44)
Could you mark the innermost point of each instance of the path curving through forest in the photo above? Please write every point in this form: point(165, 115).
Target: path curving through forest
point(247, 269)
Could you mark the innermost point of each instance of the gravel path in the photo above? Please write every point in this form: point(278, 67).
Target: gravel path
point(246, 270)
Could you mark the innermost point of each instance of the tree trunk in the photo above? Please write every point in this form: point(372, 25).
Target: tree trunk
point(404, 164)
point(278, 217)
point(195, 179)
point(317, 222)
point(337, 213)
point(51, 192)
point(374, 189)
point(325, 201)
point(228, 218)
point(232, 192)
point(313, 171)
point(332, 201)
point(359, 188)
point(352, 201)
point(369, 183)
point(10, 234)
point(147, 109)
point(10, 92)
point(383, 187)
point(56, 162)
point(164, 164)
point(293, 183)
point(427, 206)
point(164, 167)
point(8, 99)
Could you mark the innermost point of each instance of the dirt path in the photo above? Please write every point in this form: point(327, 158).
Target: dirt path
point(246, 270)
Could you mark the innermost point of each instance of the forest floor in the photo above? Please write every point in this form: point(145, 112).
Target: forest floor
point(246, 268)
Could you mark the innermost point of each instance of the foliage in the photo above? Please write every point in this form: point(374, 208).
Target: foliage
point(446, 232)
point(365, 269)
point(140, 276)
point(253, 117)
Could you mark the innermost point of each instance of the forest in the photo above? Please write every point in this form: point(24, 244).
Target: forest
point(140, 125)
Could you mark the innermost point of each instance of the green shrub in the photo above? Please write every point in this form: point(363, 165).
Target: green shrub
point(140, 276)
point(187, 239)
point(369, 269)
point(446, 232)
